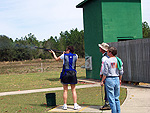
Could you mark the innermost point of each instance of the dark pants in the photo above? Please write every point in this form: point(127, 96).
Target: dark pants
point(106, 99)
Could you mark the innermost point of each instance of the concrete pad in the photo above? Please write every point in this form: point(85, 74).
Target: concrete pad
point(70, 108)
point(95, 109)
point(137, 101)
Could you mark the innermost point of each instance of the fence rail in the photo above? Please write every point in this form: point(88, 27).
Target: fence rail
point(135, 55)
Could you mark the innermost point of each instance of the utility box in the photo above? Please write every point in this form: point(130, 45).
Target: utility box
point(108, 21)
point(88, 63)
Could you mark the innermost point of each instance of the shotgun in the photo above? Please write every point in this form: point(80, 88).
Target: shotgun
point(49, 49)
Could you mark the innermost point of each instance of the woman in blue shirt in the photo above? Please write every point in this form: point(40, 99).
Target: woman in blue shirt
point(68, 74)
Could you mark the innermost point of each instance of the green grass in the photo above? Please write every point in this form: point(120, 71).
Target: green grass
point(16, 82)
point(16, 76)
point(25, 75)
point(36, 102)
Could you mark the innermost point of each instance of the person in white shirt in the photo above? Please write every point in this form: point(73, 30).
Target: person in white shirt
point(103, 49)
point(113, 71)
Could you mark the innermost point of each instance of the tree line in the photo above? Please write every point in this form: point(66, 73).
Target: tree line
point(24, 48)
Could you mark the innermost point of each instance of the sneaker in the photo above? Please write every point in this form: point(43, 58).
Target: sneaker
point(77, 107)
point(105, 107)
point(64, 107)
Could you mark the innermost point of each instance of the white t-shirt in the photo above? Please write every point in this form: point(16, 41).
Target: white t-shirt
point(111, 68)
point(104, 58)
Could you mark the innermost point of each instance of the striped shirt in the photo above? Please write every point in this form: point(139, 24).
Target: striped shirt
point(62, 57)
point(104, 58)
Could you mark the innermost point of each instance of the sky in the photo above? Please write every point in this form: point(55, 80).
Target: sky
point(45, 18)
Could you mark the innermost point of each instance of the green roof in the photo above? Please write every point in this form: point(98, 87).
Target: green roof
point(80, 5)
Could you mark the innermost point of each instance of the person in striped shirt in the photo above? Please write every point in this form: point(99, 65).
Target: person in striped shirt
point(103, 49)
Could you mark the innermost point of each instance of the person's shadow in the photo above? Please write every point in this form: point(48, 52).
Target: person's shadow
point(53, 79)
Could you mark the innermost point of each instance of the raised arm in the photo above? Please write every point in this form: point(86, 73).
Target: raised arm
point(55, 57)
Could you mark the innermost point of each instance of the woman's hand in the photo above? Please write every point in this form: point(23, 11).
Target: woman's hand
point(51, 51)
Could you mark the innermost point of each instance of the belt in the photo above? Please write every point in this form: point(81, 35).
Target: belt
point(111, 76)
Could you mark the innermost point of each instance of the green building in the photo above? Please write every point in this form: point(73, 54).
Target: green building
point(108, 21)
